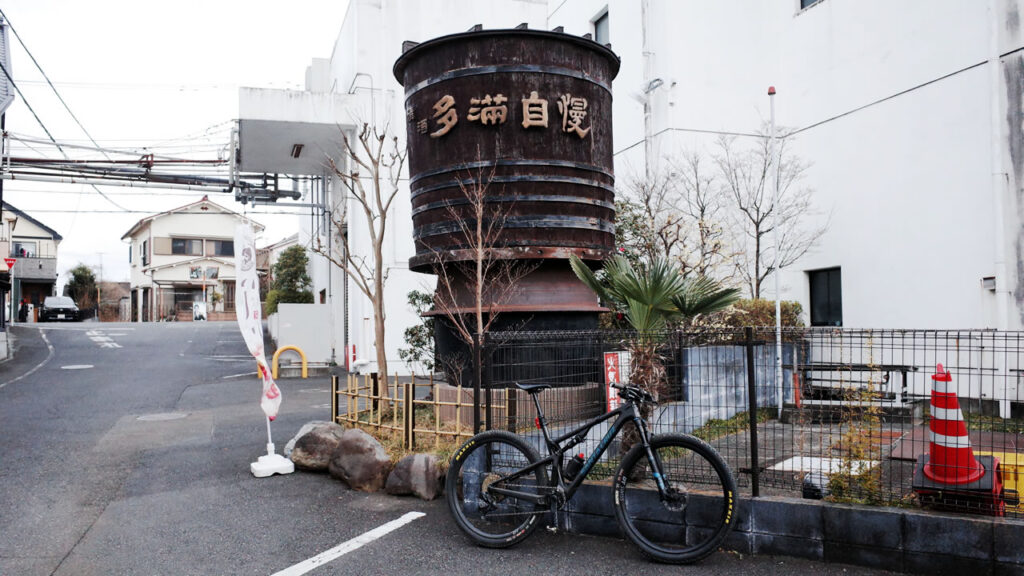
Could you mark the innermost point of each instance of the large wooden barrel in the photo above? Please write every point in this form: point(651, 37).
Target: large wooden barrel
point(528, 113)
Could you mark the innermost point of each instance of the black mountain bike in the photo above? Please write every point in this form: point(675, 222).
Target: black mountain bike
point(674, 496)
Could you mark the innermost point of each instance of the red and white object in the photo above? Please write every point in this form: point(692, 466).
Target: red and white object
point(616, 372)
point(249, 313)
point(951, 459)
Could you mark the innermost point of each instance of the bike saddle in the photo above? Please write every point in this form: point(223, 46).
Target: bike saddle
point(532, 388)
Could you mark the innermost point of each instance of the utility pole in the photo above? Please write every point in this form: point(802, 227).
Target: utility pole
point(775, 239)
point(99, 293)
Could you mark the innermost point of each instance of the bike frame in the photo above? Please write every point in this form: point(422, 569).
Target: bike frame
point(627, 412)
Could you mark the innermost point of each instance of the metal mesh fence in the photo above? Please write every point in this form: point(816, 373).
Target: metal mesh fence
point(853, 415)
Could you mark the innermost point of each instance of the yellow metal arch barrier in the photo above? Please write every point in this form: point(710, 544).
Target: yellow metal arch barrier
point(278, 354)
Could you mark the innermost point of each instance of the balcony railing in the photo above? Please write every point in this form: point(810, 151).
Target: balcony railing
point(32, 268)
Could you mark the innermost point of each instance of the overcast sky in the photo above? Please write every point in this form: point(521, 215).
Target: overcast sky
point(148, 76)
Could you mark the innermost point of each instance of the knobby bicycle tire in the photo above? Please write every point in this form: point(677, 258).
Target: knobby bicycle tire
point(484, 461)
point(700, 511)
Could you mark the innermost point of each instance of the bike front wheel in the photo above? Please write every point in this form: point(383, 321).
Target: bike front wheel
point(697, 511)
point(492, 499)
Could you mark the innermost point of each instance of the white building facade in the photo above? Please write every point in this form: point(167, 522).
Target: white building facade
point(909, 115)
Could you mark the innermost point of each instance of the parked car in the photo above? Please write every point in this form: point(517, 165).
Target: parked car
point(57, 308)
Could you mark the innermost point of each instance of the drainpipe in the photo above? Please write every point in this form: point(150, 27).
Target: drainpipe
point(998, 176)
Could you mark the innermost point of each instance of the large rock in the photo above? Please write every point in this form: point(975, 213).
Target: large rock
point(302, 432)
point(313, 450)
point(416, 474)
point(360, 461)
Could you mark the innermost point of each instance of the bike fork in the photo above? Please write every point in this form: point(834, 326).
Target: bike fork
point(652, 459)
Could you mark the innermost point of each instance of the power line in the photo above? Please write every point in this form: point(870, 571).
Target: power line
point(47, 78)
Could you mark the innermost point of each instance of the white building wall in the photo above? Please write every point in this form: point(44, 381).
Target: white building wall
point(892, 101)
point(370, 41)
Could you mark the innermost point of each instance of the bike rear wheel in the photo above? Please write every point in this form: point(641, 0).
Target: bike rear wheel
point(699, 511)
point(486, 462)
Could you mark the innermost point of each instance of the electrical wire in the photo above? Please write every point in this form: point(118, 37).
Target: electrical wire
point(47, 78)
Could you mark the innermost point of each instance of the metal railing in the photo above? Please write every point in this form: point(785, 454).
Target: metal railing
point(853, 416)
point(849, 418)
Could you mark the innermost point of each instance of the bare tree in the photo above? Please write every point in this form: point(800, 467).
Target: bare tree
point(676, 214)
point(651, 221)
point(369, 174)
point(472, 290)
point(747, 174)
point(703, 204)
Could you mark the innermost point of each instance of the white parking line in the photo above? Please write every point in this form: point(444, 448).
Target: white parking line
point(346, 547)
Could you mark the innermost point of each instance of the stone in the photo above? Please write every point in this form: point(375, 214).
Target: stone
point(360, 461)
point(302, 432)
point(416, 474)
point(313, 450)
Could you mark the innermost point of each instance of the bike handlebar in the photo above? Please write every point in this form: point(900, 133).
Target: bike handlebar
point(634, 393)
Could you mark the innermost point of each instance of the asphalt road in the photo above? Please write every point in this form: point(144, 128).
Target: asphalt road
point(125, 449)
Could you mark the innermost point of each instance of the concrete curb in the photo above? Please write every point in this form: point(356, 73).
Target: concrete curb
point(896, 539)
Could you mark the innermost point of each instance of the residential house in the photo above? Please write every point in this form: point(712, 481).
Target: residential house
point(183, 263)
point(33, 247)
point(267, 257)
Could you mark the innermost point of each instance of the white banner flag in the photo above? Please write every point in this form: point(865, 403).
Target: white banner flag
point(250, 314)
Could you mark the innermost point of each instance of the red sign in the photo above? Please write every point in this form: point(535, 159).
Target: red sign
point(616, 371)
point(611, 368)
point(10, 262)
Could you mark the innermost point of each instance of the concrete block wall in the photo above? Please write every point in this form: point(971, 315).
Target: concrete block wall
point(901, 540)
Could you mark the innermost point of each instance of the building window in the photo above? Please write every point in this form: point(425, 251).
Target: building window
point(144, 252)
point(601, 35)
point(826, 297)
point(808, 3)
point(186, 247)
point(222, 248)
point(20, 249)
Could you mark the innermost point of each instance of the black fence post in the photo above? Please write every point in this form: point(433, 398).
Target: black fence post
point(476, 385)
point(512, 410)
point(755, 480)
point(485, 374)
point(375, 392)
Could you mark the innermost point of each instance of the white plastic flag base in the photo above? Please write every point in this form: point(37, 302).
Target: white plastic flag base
point(271, 464)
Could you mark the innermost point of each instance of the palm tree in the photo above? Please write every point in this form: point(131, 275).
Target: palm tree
point(652, 296)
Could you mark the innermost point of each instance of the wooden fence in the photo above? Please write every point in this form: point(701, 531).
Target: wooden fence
point(444, 413)
point(438, 416)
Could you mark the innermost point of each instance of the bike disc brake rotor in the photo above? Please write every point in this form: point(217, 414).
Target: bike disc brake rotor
point(675, 499)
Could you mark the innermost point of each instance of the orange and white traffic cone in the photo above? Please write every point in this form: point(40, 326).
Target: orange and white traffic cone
point(951, 458)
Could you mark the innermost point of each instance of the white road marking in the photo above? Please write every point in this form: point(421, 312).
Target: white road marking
point(242, 375)
point(346, 547)
point(100, 339)
point(76, 367)
point(109, 344)
point(37, 366)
